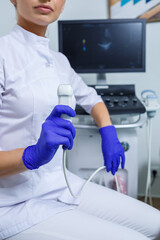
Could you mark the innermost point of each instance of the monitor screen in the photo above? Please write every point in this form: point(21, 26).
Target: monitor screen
point(101, 46)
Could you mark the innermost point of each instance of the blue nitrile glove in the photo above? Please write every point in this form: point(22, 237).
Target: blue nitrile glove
point(55, 131)
point(112, 149)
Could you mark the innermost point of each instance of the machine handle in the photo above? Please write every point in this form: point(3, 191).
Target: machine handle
point(140, 122)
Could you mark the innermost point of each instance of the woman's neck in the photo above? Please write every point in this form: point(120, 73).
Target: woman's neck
point(31, 27)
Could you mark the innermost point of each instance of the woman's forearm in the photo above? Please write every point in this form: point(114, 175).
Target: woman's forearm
point(100, 115)
point(11, 162)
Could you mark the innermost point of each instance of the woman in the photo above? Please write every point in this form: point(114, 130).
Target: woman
point(35, 201)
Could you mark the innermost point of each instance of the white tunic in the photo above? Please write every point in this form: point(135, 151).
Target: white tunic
point(29, 76)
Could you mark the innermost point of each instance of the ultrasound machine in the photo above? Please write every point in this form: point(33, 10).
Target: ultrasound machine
point(106, 46)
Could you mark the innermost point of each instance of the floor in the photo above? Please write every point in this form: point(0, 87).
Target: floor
point(156, 202)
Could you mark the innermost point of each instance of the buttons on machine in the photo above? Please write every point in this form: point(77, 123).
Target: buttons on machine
point(134, 100)
point(119, 99)
point(120, 102)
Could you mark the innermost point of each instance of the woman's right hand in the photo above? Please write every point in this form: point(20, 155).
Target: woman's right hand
point(55, 132)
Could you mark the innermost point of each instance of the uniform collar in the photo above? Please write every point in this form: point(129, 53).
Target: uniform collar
point(29, 37)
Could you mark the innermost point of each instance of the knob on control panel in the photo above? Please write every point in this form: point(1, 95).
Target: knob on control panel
point(134, 100)
point(126, 100)
point(125, 146)
point(108, 99)
point(116, 100)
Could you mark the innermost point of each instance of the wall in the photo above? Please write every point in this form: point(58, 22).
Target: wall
point(98, 9)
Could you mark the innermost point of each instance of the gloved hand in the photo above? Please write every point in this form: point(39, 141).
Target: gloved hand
point(55, 132)
point(112, 149)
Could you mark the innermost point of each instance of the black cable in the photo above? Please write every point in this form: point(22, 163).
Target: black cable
point(154, 174)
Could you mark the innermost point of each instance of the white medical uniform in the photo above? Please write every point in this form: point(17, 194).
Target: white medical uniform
point(37, 202)
point(29, 76)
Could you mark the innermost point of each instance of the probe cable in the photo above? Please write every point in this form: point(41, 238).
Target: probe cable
point(89, 179)
point(148, 183)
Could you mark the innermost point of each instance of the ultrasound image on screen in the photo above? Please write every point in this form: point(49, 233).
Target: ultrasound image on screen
point(102, 46)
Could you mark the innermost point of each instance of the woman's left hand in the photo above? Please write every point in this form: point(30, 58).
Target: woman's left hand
point(112, 149)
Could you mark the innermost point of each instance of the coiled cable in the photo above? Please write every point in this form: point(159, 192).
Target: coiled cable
point(89, 179)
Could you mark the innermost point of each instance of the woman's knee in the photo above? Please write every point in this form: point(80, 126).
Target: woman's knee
point(153, 231)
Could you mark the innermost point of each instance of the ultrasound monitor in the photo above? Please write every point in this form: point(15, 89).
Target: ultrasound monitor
point(103, 46)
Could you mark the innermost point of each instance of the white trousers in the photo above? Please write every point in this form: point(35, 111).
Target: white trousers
point(103, 214)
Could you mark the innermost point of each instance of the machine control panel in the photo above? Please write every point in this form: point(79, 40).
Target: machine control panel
point(119, 99)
